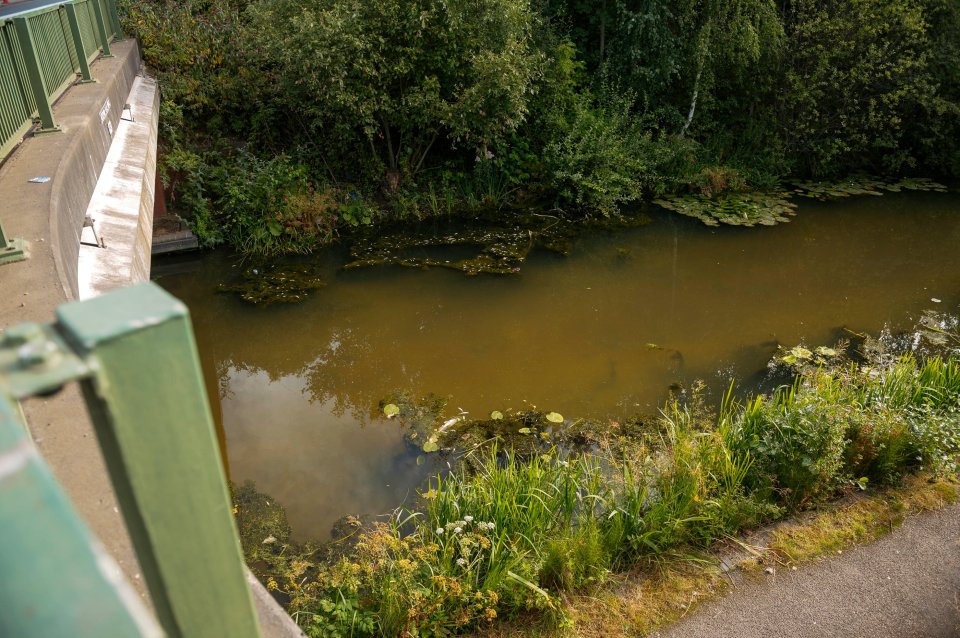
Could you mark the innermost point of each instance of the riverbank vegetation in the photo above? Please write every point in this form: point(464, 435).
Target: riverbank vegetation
point(285, 123)
point(517, 532)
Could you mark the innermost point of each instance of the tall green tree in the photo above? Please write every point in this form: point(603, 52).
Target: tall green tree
point(856, 70)
point(723, 37)
point(934, 130)
point(404, 76)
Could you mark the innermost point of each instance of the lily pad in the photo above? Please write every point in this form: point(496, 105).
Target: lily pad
point(734, 209)
point(431, 445)
point(796, 354)
point(391, 410)
point(554, 417)
point(496, 415)
point(525, 431)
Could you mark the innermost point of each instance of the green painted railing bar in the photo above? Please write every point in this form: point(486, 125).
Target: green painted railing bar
point(57, 579)
point(101, 28)
point(56, 41)
point(134, 353)
point(34, 74)
point(152, 419)
point(116, 27)
point(78, 43)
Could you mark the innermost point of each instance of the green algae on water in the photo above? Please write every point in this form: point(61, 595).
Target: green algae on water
point(267, 285)
point(500, 243)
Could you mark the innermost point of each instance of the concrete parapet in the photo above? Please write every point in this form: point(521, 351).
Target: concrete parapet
point(115, 244)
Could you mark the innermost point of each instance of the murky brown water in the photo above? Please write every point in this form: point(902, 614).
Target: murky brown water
point(297, 387)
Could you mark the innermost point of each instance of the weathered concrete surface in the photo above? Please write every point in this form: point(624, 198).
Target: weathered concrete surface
point(122, 203)
point(907, 585)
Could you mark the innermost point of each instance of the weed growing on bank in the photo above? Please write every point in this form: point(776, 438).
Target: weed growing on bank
point(510, 535)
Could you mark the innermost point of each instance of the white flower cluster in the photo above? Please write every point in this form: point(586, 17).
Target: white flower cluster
point(457, 527)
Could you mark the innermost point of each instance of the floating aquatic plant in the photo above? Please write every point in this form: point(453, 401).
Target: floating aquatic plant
point(502, 244)
point(266, 285)
point(391, 410)
point(734, 209)
point(769, 208)
point(863, 185)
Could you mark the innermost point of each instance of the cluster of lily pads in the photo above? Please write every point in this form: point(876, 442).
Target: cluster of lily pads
point(768, 208)
point(734, 209)
point(863, 185)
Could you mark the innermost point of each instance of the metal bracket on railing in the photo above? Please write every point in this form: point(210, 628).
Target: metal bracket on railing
point(34, 360)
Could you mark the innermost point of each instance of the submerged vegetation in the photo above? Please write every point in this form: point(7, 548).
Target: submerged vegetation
point(520, 530)
point(267, 285)
point(286, 124)
point(501, 244)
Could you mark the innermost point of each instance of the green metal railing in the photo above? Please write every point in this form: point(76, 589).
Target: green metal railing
point(134, 355)
point(43, 51)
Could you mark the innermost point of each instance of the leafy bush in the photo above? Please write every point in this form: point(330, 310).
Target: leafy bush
point(603, 159)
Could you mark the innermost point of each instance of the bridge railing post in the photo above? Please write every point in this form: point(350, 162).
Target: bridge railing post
point(11, 249)
point(78, 42)
point(57, 579)
point(102, 28)
point(134, 353)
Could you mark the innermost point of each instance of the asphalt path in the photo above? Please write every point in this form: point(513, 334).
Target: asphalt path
point(14, 7)
point(907, 585)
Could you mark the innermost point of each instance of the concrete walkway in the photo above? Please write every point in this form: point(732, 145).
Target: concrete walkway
point(907, 585)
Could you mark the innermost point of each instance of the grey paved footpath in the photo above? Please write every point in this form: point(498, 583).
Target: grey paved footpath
point(906, 585)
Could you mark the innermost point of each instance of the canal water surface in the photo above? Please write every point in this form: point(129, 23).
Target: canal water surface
point(601, 333)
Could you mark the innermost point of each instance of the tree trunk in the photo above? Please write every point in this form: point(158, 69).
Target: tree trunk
point(693, 100)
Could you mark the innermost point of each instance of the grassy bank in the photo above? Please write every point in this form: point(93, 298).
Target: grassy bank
point(510, 535)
